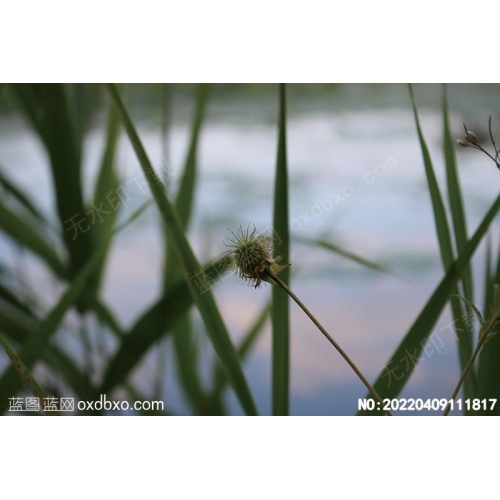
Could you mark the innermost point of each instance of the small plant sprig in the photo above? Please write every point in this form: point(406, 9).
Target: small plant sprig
point(250, 255)
point(471, 140)
point(486, 333)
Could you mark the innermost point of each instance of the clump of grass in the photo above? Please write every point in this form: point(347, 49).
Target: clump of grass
point(250, 254)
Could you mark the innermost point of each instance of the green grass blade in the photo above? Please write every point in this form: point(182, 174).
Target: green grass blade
point(244, 349)
point(64, 150)
point(488, 277)
point(21, 198)
point(344, 253)
point(147, 330)
point(440, 218)
point(186, 357)
point(107, 318)
point(141, 337)
point(8, 296)
point(26, 235)
point(49, 111)
point(83, 99)
point(106, 184)
point(414, 340)
point(106, 179)
point(31, 101)
point(25, 375)
point(15, 322)
point(153, 324)
point(446, 249)
point(18, 324)
point(39, 339)
point(135, 215)
point(281, 305)
point(489, 367)
point(455, 196)
point(166, 117)
point(183, 338)
point(204, 301)
point(184, 198)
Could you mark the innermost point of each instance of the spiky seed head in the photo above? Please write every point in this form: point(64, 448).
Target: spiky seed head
point(250, 253)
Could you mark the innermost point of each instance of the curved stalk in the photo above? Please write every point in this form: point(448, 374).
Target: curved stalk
point(332, 341)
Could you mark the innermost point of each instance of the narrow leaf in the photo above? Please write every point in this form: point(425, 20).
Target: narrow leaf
point(281, 306)
point(26, 235)
point(21, 197)
point(39, 339)
point(446, 249)
point(204, 301)
point(440, 218)
point(489, 367)
point(344, 253)
point(183, 338)
point(455, 195)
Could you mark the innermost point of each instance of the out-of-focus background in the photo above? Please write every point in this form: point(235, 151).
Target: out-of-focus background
point(356, 180)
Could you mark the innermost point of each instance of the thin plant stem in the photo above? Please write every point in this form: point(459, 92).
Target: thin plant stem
point(283, 285)
point(480, 344)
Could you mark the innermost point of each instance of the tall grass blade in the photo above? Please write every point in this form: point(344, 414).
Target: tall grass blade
point(11, 298)
point(18, 326)
point(455, 196)
point(184, 198)
point(50, 111)
point(82, 99)
point(26, 235)
point(460, 230)
point(440, 218)
point(488, 276)
point(30, 97)
point(107, 318)
point(16, 323)
point(183, 339)
point(489, 366)
point(106, 185)
point(39, 339)
point(281, 306)
point(446, 249)
point(414, 340)
point(204, 301)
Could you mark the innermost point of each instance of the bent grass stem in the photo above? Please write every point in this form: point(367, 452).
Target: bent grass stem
point(332, 341)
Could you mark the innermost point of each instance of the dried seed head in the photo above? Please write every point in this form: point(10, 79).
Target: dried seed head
point(462, 143)
point(250, 254)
